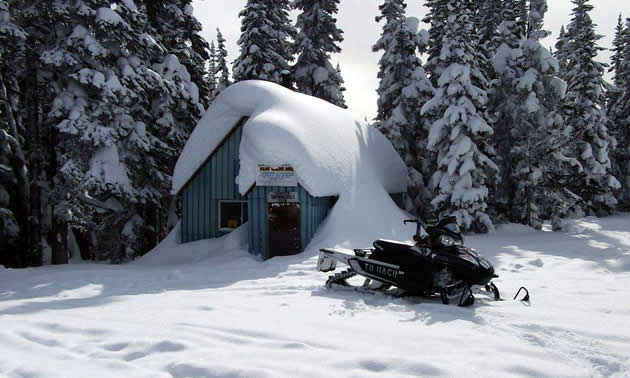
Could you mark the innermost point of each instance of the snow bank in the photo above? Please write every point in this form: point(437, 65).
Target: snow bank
point(330, 150)
point(171, 252)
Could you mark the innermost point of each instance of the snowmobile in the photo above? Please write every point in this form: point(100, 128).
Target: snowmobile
point(436, 263)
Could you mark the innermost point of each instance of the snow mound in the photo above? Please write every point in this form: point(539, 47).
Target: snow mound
point(170, 251)
point(330, 150)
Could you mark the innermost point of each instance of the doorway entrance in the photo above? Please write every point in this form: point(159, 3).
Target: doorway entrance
point(284, 229)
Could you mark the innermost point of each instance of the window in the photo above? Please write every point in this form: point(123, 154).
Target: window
point(232, 214)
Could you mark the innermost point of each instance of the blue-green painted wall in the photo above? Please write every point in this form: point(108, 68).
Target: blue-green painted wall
point(313, 210)
point(214, 181)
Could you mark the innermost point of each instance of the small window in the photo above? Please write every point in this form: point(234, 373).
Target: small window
point(232, 214)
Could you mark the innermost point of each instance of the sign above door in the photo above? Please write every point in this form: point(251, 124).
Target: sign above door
point(276, 176)
point(282, 197)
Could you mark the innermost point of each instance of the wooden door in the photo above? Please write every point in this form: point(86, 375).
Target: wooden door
point(284, 229)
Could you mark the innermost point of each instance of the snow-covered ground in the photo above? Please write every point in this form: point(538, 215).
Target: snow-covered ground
point(208, 309)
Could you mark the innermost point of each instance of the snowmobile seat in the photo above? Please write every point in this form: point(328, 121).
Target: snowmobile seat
point(392, 245)
point(393, 252)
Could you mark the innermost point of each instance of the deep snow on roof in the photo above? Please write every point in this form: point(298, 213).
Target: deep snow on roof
point(331, 151)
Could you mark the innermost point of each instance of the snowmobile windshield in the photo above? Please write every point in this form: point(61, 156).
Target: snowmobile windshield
point(453, 227)
point(449, 227)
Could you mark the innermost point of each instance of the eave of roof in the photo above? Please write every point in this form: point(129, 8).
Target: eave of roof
point(238, 124)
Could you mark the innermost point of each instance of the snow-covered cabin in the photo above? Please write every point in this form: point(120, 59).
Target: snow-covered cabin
point(278, 161)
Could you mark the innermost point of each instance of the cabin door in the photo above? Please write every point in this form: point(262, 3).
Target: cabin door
point(284, 229)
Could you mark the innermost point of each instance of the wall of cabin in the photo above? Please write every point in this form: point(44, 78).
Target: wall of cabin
point(214, 181)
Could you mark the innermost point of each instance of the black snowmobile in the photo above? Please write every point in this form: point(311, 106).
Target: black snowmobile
point(437, 263)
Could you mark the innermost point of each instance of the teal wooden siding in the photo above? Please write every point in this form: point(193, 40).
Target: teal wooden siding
point(313, 210)
point(214, 181)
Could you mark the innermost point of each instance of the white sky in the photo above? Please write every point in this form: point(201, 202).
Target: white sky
point(356, 19)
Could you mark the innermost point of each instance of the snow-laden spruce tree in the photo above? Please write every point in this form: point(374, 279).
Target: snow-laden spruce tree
point(436, 17)
point(122, 111)
point(318, 37)
point(459, 134)
point(222, 73)
point(340, 87)
point(505, 100)
point(561, 52)
point(265, 42)
point(488, 17)
point(44, 22)
point(620, 115)
point(402, 91)
point(587, 117)
point(616, 59)
point(393, 12)
point(14, 182)
point(211, 77)
point(528, 98)
point(178, 31)
point(542, 169)
point(522, 18)
point(615, 112)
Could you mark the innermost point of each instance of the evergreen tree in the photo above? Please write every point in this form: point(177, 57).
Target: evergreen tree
point(211, 77)
point(522, 18)
point(178, 30)
point(489, 21)
point(403, 89)
point(223, 80)
point(339, 84)
point(460, 131)
point(265, 48)
point(562, 52)
point(318, 37)
point(14, 188)
point(620, 114)
point(44, 22)
point(123, 109)
point(100, 108)
point(615, 111)
point(504, 101)
point(587, 117)
point(393, 12)
point(617, 54)
point(529, 97)
point(488, 18)
point(436, 17)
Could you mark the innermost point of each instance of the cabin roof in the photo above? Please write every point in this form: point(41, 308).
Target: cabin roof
point(330, 150)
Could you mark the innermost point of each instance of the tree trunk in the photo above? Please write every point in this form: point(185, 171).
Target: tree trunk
point(33, 121)
point(22, 209)
point(83, 240)
point(59, 242)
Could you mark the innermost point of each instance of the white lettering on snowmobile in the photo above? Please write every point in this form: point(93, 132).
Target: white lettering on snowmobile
point(381, 271)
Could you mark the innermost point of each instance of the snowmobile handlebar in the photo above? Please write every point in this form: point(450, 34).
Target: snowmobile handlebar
point(419, 225)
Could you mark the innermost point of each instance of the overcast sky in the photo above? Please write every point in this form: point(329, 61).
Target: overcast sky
point(356, 19)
